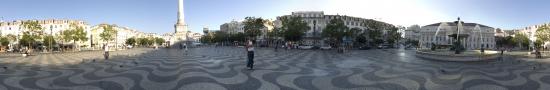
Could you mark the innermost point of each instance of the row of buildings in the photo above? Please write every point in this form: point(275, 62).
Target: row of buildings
point(479, 35)
point(316, 20)
point(56, 27)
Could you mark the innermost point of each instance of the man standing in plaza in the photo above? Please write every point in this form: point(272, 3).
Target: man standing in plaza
point(106, 54)
point(181, 46)
point(250, 50)
point(185, 46)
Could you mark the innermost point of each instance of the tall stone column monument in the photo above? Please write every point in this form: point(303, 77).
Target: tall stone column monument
point(180, 34)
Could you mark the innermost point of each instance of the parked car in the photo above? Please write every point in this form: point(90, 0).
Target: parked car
point(365, 47)
point(196, 44)
point(326, 47)
point(305, 47)
point(385, 46)
point(316, 47)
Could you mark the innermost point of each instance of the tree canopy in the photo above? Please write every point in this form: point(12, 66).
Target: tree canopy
point(4, 41)
point(49, 41)
point(108, 33)
point(293, 28)
point(336, 30)
point(393, 36)
point(543, 33)
point(253, 26)
point(130, 41)
point(34, 32)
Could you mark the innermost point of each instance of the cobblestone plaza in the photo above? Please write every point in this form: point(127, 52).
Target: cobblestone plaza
point(223, 68)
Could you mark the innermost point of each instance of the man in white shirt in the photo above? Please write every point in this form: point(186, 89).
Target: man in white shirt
point(250, 50)
point(106, 47)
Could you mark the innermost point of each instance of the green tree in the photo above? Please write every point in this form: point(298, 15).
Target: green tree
point(543, 33)
point(239, 37)
point(108, 33)
point(220, 36)
point(361, 40)
point(150, 41)
point(520, 39)
point(11, 37)
point(4, 42)
point(414, 43)
point(375, 29)
point(500, 41)
point(336, 30)
point(159, 41)
point(273, 35)
point(375, 36)
point(253, 26)
point(293, 28)
point(49, 41)
point(144, 42)
point(34, 31)
point(27, 39)
point(393, 35)
point(538, 43)
point(206, 39)
point(75, 34)
point(510, 42)
point(130, 41)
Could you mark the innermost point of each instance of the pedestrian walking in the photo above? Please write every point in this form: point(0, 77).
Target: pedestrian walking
point(106, 54)
point(276, 46)
point(185, 46)
point(501, 54)
point(250, 50)
point(538, 54)
point(181, 46)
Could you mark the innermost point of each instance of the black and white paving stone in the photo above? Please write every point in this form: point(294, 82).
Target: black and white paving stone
point(223, 68)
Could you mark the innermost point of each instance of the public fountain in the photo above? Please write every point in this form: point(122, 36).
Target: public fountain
point(457, 51)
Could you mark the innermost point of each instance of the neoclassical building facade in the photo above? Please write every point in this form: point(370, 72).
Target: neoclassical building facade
point(317, 20)
point(478, 35)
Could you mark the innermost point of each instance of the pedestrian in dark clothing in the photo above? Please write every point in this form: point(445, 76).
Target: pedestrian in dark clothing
point(181, 46)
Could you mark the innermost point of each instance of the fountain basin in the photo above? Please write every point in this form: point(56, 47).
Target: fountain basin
point(466, 56)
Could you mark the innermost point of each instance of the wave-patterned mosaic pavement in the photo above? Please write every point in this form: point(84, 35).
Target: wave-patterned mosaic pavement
point(223, 68)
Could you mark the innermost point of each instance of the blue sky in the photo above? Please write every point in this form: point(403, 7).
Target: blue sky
point(159, 16)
